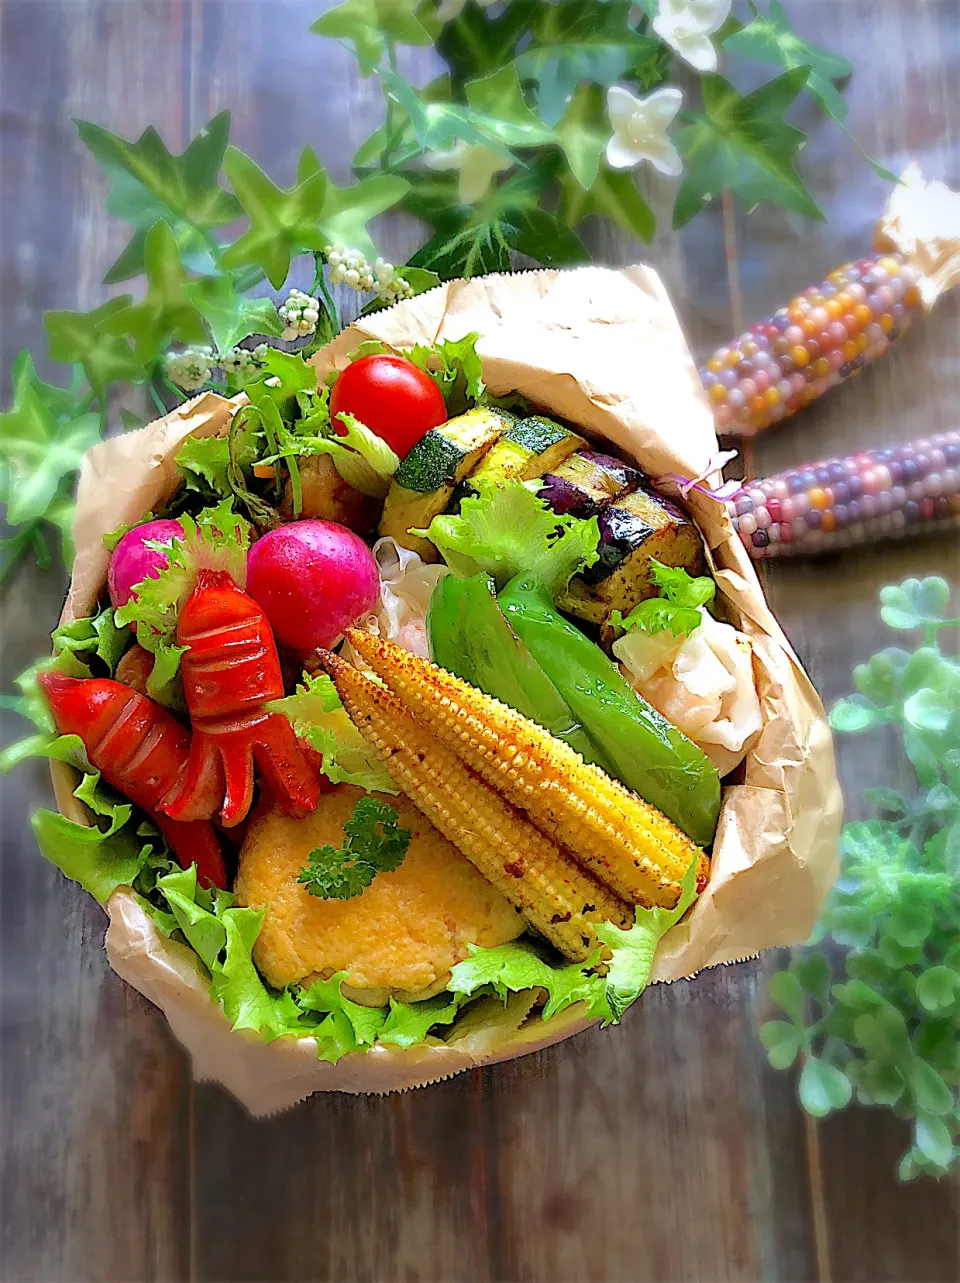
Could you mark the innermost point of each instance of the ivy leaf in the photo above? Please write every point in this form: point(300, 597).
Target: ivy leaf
point(347, 210)
point(282, 222)
point(39, 449)
point(150, 184)
point(576, 44)
point(80, 337)
point(232, 317)
point(166, 311)
point(583, 134)
point(614, 195)
point(745, 144)
point(498, 101)
point(368, 24)
point(472, 240)
point(769, 38)
point(479, 43)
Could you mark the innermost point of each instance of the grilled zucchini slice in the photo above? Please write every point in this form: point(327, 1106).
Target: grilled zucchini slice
point(425, 480)
point(529, 449)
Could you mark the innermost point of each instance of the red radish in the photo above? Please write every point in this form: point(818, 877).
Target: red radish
point(313, 579)
point(392, 397)
point(133, 561)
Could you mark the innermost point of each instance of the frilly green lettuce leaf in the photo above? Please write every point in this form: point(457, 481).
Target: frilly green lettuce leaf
point(99, 861)
point(454, 365)
point(408, 1023)
point(363, 459)
point(217, 540)
point(633, 949)
point(205, 464)
point(113, 537)
point(521, 965)
point(317, 715)
point(79, 648)
point(506, 529)
point(363, 1024)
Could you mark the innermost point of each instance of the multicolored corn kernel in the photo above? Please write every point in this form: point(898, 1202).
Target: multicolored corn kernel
point(833, 503)
point(821, 338)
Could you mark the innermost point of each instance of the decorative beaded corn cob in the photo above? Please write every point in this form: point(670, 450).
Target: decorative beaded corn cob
point(830, 332)
point(836, 502)
point(822, 337)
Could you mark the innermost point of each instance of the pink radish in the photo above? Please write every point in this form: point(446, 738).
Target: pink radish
point(313, 579)
point(133, 561)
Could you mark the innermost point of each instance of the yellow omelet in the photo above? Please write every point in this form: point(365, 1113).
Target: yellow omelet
point(399, 937)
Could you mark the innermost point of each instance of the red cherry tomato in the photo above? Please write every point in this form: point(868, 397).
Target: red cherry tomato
point(394, 398)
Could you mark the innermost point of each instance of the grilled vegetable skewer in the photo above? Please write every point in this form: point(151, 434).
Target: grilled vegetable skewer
point(623, 841)
point(557, 897)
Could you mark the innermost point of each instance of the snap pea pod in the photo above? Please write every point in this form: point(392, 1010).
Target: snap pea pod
point(645, 751)
point(469, 636)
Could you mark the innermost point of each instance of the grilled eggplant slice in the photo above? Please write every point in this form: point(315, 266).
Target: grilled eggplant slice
point(586, 482)
point(425, 480)
point(635, 529)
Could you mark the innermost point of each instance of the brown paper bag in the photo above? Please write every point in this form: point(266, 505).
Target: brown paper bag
point(604, 350)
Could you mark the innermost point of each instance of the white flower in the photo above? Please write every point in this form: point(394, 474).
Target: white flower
point(300, 314)
point(242, 364)
point(687, 25)
point(477, 165)
point(450, 9)
point(389, 284)
point(189, 370)
point(349, 267)
point(640, 129)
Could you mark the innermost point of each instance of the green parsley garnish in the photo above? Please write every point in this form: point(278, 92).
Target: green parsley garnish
point(375, 844)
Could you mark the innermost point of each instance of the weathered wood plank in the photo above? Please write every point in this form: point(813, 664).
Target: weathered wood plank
point(95, 1091)
point(662, 1150)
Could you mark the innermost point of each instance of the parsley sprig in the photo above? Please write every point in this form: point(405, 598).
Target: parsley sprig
point(887, 1031)
point(676, 609)
point(375, 844)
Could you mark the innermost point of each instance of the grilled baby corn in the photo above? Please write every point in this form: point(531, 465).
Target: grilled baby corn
point(627, 843)
point(558, 898)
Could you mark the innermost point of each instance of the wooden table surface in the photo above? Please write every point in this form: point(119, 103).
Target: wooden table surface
point(664, 1150)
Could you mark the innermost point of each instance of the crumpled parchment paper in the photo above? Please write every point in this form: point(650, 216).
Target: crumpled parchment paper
point(604, 350)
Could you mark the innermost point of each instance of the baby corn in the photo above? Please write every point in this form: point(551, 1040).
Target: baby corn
point(627, 843)
point(557, 897)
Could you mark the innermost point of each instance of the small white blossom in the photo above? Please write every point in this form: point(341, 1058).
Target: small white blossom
point(190, 369)
point(300, 314)
point(640, 129)
point(349, 267)
point(687, 25)
point(390, 285)
point(242, 364)
point(477, 165)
